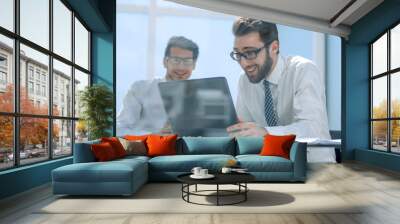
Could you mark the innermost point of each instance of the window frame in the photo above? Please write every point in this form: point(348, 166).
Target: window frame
point(388, 74)
point(15, 71)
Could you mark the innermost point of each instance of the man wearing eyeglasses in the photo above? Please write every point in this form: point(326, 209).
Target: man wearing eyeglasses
point(277, 95)
point(143, 111)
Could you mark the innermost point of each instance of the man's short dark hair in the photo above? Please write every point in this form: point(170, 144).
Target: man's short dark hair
point(184, 43)
point(268, 31)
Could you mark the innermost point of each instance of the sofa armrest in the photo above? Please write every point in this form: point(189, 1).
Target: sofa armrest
point(298, 155)
point(83, 152)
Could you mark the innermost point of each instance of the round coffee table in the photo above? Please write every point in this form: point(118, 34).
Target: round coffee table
point(238, 179)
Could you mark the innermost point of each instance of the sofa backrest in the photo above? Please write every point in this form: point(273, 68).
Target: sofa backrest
point(206, 145)
point(83, 152)
point(249, 145)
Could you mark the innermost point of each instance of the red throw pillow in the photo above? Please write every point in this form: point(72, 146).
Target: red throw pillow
point(159, 145)
point(116, 145)
point(277, 145)
point(103, 151)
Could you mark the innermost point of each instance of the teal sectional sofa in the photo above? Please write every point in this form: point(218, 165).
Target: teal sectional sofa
point(125, 176)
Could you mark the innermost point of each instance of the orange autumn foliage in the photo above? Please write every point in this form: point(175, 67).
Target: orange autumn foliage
point(33, 130)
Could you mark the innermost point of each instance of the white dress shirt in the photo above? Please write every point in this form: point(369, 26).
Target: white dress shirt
point(298, 94)
point(142, 110)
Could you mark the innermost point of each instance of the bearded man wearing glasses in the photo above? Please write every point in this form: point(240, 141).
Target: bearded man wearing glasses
point(277, 95)
point(143, 111)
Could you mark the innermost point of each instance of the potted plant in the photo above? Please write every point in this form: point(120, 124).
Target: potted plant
point(96, 103)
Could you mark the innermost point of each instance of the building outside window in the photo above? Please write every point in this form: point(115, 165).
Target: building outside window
point(30, 87)
point(37, 75)
point(43, 90)
point(3, 61)
point(30, 72)
point(3, 72)
point(3, 79)
point(43, 77)
point(38, 89)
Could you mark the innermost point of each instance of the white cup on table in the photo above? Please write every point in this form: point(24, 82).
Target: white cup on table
point(196, 171)
point(203, 172)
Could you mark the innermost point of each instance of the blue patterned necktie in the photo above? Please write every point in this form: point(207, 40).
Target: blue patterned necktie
point(269, 111)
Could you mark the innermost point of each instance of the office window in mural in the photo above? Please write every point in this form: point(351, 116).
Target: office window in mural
point(182, 70)
point(385, 94)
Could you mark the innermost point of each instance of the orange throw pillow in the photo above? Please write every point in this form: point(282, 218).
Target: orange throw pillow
point(277, 145)
point(116, 145)
point(161, 145)
point(103, 152)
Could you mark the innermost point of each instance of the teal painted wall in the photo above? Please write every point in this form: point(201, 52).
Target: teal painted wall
point(103, 51)
point(356, 101)
point(99, 15)
point(24, 178)
point(103, 63)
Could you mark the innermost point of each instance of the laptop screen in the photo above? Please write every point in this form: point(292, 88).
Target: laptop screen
point(198, 107)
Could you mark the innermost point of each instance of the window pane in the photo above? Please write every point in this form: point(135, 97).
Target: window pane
point(34, 97)
point(379, 55)
point(81, 45)
point(379, 98)
point(62, 89)
point(395, 47)
point(395, 94)
point(7, 14)
point(62, 137)
point(6, 74)
point(81, 81)
point(33, 139)
point(35, 21)
point(395, 136)
point(6, 142)
point(81, 131)
point(62, 29)
point(128, 52)
point(379, 135)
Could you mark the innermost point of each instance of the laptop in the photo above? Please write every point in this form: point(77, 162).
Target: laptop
point(198, 107)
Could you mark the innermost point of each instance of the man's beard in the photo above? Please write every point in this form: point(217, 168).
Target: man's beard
point(263, 72)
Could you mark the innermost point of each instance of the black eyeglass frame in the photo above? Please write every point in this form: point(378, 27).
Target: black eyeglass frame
point(245, 54)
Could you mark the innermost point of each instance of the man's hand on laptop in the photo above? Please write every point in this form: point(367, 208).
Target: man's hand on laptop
point(246, 129)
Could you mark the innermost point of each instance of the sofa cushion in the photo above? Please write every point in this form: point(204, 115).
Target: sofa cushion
point(249, 145)
point(277, 145)
point(185, 163)
point(257, 163)
point(159, 145)
point(136, 137)
point(207, 145)
point(133, 158)
point(134, 147)
point(116, 145)
point(83, 152)
point(112, 171)
point(103, 151)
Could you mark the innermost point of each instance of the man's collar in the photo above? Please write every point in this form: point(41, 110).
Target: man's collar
point(276, 74)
